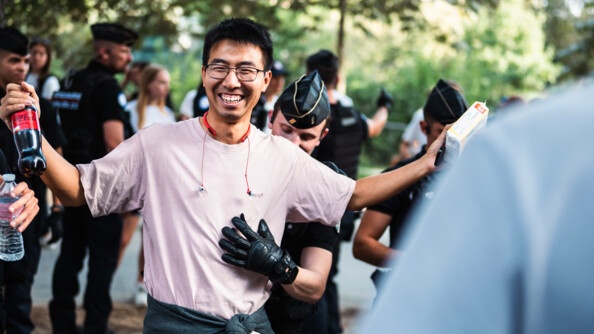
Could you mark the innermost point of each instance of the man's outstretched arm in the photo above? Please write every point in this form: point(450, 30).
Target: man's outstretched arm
point(377, 188)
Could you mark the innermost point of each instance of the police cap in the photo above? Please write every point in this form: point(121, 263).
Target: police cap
point(113, 32)
point(445, 103)
point(278, 69)
point(14, 41)
point(305, 102)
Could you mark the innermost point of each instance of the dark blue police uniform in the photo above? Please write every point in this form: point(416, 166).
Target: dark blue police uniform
point(286, 313)
point(18, 290)
point(343, 145)
point(399, 206)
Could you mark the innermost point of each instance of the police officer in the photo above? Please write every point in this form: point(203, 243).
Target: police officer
point(301, 115)
point(349, 129)
point(14, 65)
point(444, 105)
point(12, 273)
point(91, 106)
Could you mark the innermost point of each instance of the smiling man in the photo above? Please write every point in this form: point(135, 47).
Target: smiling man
point(301, 115)
point(189, 179)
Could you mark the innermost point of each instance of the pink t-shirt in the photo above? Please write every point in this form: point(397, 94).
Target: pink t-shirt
point(160, 170)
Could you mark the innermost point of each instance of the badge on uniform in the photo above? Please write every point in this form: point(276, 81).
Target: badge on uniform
point(122, 100)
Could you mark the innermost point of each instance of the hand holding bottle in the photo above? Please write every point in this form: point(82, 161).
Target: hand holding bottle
point(17, 98)
point(27, 204)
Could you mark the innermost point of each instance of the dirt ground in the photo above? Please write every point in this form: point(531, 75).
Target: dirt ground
point(127, 319)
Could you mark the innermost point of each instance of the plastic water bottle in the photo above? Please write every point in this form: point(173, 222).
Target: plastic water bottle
point(11, 240)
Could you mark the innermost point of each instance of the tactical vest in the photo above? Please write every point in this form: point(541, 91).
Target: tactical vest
point(260, 114)
point(344, 142)
point(79, 123)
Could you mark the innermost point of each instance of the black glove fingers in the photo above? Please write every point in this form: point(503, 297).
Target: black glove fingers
point(233, 261)
point(244, 228)
point(259, 253)
point(227, 246)
point(235, 239)
point(385, 99)
point(264, 231)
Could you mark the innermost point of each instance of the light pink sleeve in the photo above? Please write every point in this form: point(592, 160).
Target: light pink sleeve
point(317, 193)
point(114, 183)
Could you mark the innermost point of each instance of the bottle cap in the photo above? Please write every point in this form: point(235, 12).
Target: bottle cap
point(8, 177)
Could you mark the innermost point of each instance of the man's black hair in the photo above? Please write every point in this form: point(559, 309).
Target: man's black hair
point(241, 30)
point(327, 65)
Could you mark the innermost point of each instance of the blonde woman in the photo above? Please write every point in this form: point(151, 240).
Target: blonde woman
point(149, 108)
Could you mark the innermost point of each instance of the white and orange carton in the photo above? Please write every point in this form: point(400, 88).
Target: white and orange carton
point(458, 135)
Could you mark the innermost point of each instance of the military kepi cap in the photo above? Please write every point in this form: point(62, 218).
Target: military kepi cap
point(278, 69)
point(445, 103)
point(304, 103)
point(113, 32)
point(14, 41)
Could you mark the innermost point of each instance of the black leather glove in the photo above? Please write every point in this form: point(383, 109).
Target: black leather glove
point(385, 99)
point(54, 221)
point(257, 252)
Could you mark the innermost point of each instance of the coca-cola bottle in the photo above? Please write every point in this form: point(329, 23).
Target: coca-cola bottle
point(27, 137)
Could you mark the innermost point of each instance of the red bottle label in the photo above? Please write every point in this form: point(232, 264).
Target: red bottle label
point(25, 120)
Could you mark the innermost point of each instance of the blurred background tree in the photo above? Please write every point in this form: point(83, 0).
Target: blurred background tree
point(492, 48)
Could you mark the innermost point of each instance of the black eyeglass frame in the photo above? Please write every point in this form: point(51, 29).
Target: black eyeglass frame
point(229, 68)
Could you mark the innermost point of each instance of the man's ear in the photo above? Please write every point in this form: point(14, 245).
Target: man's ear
point(270, 119)
point(424, 127)
point(324, 133)
point(104, 53)
point(203, 75)
point(267, 78)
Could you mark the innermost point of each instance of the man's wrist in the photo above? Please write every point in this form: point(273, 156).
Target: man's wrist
point(291, 275)
point(57, 208)
point(423, 166)
point(288, 272)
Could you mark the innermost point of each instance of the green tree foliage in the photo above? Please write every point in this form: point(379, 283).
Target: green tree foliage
point(492, 48)
point(66, 22)
point(570, 28)
point(491, 54)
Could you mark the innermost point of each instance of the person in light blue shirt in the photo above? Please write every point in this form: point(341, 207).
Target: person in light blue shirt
point(507, 245)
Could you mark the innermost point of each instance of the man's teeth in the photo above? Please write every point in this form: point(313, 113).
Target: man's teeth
point(233, 98)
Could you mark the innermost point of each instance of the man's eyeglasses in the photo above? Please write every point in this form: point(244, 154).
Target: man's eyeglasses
point(218, 71)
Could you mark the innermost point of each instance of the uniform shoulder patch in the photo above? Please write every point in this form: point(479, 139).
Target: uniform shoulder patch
point(122, 99)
